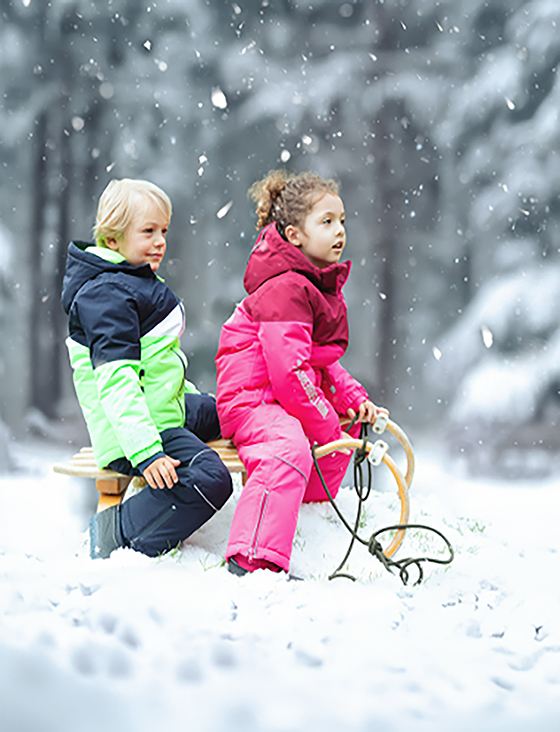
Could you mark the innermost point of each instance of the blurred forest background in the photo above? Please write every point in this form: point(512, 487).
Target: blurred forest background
point(439, 118)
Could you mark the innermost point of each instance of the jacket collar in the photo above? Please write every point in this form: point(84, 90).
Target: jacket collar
point(84, 262)
point(273, 255)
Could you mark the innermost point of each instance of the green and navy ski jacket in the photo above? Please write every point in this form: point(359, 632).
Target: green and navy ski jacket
point(129, 371)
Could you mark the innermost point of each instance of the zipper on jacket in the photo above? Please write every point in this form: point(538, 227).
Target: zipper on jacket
point(153, 525)
point(255, 539)
point(181, 391)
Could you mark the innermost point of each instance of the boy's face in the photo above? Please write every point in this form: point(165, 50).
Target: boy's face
point(144, 239)
point(323, 236)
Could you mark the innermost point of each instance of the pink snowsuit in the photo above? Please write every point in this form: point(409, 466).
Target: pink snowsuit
point(280, 387)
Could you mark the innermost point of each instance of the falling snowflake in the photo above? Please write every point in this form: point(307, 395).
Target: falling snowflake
point(487, 336)
point(223, 211)
point(106, 90)
point(219, 99)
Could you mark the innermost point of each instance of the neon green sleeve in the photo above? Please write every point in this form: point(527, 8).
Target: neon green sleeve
point(124, 404)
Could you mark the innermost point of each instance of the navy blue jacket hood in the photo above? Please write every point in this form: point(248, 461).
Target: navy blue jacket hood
point(83, 266)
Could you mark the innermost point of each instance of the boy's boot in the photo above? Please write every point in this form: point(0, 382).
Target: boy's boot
point(105, 533)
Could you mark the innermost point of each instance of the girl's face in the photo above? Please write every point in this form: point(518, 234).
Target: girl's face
point(144, 238)
point(322, 237)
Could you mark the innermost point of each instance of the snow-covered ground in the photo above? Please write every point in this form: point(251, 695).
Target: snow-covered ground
point(137, 644)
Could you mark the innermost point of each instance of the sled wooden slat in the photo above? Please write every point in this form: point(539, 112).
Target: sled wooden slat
point(112, 486)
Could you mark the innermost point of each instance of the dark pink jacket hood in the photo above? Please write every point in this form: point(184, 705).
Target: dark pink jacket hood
point(283, 285)
point(273, 255)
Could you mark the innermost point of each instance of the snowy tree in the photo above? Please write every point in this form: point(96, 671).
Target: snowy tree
point(496, 365)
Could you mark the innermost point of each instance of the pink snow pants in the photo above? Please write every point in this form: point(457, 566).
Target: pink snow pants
point(281, 474)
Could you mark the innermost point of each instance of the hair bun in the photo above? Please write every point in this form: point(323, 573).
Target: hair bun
point(286, 198)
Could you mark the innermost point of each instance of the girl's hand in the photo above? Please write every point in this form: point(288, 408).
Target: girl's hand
point(367, 412)
point(161, 473)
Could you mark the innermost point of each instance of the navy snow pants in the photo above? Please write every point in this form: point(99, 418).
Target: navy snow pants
point(156, 520)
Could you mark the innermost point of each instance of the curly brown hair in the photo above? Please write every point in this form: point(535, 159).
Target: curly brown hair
point(287, 198)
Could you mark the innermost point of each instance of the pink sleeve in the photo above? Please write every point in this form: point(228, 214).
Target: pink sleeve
point(342, 390)
point(287, 349)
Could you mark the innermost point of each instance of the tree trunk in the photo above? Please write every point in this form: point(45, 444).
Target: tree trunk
point(387, 249)
point(39, 386)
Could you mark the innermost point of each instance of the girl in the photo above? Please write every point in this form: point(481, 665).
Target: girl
point(280, 385)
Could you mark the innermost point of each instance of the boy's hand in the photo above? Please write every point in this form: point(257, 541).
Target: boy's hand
point(367, 412)
point(161, 473)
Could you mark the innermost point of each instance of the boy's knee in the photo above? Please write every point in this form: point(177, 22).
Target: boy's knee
point(156, 520)
point(221, 484)
point(210, 474)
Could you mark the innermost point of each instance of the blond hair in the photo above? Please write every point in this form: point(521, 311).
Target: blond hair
point(287, 198)
point(119, 203)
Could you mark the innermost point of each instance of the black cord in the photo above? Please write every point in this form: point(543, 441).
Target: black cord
point(352, 423)
point(402, 565)
point(373, 545)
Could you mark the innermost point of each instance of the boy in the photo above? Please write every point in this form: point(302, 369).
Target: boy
point(143, 416)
